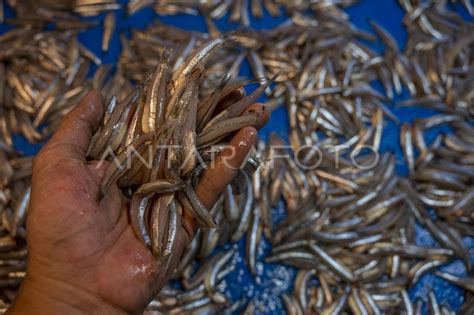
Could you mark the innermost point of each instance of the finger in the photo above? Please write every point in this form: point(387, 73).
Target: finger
point(263, 117)
point(215, 179)
point(74, 135)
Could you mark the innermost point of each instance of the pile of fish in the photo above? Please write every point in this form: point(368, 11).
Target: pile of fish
point(241, 11)
point(438, 56)
point(351, 222)
point(325, 81)
point(350, 226)
point(238, 9)
point(359, 241)
point(15, 181)
point(42, 75)
point(51, 10)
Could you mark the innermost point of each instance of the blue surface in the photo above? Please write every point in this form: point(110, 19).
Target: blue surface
point(276, 279)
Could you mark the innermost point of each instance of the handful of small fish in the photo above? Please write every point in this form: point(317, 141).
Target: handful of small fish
point(351, 222)
point(170, 121)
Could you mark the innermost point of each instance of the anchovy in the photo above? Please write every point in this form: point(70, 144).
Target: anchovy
point(334, 265)
point(465, 282)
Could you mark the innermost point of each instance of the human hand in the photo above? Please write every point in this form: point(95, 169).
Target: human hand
point(83, 254)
